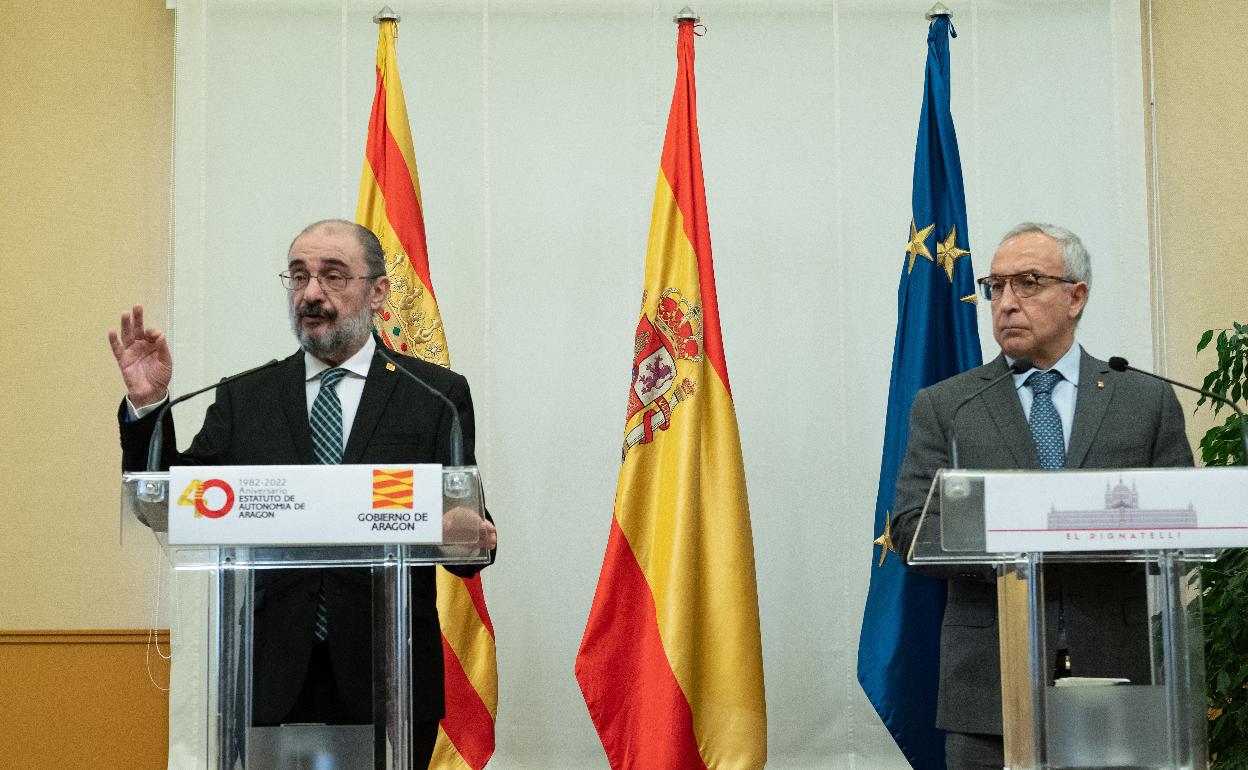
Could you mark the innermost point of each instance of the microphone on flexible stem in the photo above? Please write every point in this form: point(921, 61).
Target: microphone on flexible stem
point(1019, 366)
point(457, 434)
point(157, 441)
point(1119, 364)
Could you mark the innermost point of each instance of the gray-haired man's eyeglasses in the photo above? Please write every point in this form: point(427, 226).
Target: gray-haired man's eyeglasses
point(1024, 284)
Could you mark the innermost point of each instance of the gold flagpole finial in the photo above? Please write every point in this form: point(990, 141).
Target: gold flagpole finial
point(386, 14)
point(938, 10)
point(686, 14)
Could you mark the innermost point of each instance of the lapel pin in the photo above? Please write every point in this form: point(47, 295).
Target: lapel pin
point(390, 368)
point(1100, 384)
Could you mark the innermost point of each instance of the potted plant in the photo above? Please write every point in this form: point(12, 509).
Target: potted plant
point(1226, 580)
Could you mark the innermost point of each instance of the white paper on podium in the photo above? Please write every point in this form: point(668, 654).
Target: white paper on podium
point(305, 504)
point(1127, 510)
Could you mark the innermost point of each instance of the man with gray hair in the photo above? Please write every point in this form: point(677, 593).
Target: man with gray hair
point(1069, 410)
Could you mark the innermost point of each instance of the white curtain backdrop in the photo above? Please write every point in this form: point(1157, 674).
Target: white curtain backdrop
point(537, 128)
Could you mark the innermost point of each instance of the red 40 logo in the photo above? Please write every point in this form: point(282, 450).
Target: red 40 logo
point(194, 495)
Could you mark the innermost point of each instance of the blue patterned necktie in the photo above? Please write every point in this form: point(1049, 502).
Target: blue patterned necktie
point(1046, 424)
point(326, 425)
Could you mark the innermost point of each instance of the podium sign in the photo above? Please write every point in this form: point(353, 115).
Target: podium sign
point(1126, 510)
point(305, 504)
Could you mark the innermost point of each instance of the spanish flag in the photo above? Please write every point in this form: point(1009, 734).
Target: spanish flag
point(390, 206)
point(671, 663)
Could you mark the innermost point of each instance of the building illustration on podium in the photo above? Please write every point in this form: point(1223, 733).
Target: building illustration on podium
point(1122, 511)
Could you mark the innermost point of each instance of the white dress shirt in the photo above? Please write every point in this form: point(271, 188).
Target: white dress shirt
point(1064, 393)
point(350, 388)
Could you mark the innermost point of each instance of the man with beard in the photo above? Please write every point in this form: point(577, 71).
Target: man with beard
point(312, 628)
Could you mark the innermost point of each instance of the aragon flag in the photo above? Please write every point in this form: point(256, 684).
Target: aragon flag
point(898, 648)
point(671, 663)
point(390, 206)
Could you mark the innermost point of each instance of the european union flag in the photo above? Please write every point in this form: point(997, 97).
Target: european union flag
point(898, 650)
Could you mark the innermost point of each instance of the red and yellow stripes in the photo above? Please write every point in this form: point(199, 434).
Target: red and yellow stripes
point(671, 661)
point(392, 488)
point(466, 735)
point(390, 205)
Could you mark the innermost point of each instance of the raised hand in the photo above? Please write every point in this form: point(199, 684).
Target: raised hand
point(143, 357)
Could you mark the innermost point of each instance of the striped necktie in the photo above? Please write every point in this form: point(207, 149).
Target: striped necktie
point(326, 425)
point(326, 419)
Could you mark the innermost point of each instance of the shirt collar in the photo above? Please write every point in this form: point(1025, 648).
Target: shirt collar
point(1067, 365)
point(357, 364)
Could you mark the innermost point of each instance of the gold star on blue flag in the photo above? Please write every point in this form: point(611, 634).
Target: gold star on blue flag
point(885, 541)
point(947, 252)
point(917, 245)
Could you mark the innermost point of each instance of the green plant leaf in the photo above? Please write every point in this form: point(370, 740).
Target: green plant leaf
point(1204, 340)
point(1224, 594)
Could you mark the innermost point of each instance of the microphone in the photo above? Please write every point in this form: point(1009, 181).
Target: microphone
point(155, 445)
point(1119, 364)
point(1019, 366)
point(457, 434)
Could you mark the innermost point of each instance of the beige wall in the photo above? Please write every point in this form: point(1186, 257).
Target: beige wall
point(1201, 68)
point(84, 175)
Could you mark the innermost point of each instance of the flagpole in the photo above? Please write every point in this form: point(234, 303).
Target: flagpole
point(686, 14)
point(387, 14)
point(938, 10)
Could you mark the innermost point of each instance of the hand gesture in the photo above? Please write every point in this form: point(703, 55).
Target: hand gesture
point(143, 358)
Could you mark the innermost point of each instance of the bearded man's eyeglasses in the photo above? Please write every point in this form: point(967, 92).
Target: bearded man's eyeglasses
point(331, 281)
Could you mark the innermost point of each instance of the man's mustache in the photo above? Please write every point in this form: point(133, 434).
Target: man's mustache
point(316, 310)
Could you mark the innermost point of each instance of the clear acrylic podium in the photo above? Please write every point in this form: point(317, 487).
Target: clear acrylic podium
point(1133, 713)
point(231, 742)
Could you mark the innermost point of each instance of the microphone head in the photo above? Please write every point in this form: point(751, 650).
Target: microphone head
point(1119, 364)
point(1021, 365)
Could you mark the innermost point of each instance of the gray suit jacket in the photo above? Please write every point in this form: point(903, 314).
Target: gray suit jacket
point(1122, 420)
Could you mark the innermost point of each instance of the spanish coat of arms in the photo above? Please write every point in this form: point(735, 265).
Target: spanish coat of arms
point(665, 346)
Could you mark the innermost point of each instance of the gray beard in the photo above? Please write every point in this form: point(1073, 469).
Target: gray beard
point(342, 338)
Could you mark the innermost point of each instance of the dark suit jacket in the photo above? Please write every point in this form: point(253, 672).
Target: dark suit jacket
point(262, 419)
point(1131, 422)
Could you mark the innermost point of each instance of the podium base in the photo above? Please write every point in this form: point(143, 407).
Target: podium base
point(312, 747)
